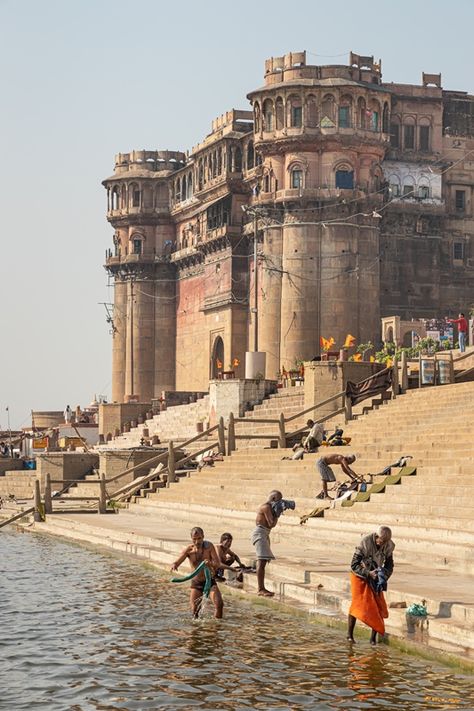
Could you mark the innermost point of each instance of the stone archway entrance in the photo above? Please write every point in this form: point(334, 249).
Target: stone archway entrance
point(217, 357)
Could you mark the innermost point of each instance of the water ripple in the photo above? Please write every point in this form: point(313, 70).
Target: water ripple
point(88, 631)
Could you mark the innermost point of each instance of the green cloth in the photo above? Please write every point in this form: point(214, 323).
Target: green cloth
point(207, 573)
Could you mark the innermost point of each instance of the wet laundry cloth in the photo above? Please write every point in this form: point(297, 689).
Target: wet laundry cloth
point(367, 605)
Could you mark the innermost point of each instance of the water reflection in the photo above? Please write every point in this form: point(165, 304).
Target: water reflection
point(84, 630)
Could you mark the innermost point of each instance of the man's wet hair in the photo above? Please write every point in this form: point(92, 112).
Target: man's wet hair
point(197, 530)
point(226, 537)
point(352, 457)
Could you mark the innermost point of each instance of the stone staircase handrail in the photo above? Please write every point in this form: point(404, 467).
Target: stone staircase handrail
point(163, 455)
point(132, 487)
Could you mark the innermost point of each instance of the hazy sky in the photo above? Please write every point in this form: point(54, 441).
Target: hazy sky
point(82, 80)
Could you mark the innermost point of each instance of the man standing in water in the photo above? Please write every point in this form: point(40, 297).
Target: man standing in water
point(265, 521)
point(201, 550)
point(371, 567)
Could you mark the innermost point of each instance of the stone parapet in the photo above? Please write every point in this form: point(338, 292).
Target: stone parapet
point(236, 396)
point(324, 379)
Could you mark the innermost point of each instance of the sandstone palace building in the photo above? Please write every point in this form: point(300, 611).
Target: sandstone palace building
point(359, 194)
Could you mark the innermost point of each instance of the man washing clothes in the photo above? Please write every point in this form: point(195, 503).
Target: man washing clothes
point(323, 465)
point(371, 567)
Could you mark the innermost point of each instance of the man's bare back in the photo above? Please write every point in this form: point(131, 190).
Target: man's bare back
point(343, 461)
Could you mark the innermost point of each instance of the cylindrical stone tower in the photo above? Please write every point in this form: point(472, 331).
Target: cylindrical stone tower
point(144, 319)
point(322, 133)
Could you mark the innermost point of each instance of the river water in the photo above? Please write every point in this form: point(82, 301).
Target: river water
point(83, 630)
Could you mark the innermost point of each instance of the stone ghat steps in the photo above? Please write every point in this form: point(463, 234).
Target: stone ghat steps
point(443, 554)
point(177, 418)
point(376, 509)
point(320, 584)
point(434, 498)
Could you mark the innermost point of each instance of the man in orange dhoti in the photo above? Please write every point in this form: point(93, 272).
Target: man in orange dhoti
point(371, 567)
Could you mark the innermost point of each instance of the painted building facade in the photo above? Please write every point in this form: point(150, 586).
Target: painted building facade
point(359, 193)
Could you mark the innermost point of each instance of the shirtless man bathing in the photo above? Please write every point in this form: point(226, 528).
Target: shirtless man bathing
point(198, 551)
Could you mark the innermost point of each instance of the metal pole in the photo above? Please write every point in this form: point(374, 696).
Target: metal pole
point(255, 279)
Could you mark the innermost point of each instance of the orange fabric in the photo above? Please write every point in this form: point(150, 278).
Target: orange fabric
point(368, 606)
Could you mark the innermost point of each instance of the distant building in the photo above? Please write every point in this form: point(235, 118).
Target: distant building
point(362, 196)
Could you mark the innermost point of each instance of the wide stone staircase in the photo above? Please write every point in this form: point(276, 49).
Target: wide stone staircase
point(176, 423)
point(430, 512)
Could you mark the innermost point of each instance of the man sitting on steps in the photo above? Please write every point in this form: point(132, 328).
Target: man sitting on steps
point(327, 474)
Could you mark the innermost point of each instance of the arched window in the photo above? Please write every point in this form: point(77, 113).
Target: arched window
point(345, 111)
point(312, 111)
point(238, 161)
point(395, 134)
point(409, 187)
point(279, 114)
point(409, 134)
point(296, 177)
point(200, 174)
point(217, 358)
point(361, 109)
point(178, 190)
point(344, 176)
point(134, 195)
point(424, 135)
point(328, 111)
point(373, 116)
point(115, 198)
point(268, 115)
point(184, 188)
point(295, 111)
point(137, 244)
point(394, 185)
point(256, 117)
point(189, 193)
point(250, 156)
point(385, 119)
